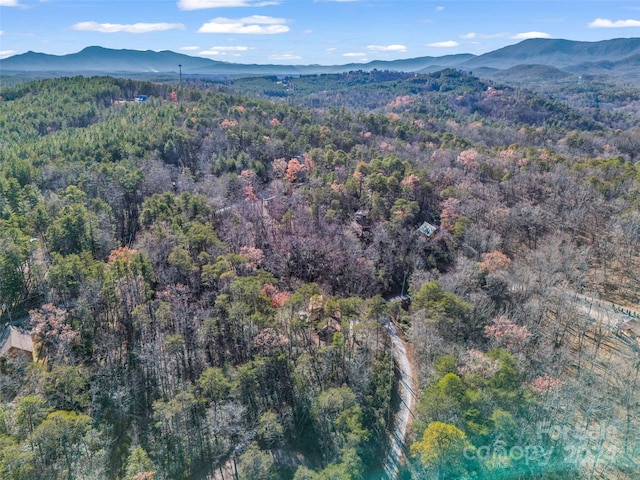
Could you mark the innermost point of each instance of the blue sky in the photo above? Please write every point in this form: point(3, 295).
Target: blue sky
point(324, 32)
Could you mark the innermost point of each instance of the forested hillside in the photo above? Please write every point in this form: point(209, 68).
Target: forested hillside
point(204, 277)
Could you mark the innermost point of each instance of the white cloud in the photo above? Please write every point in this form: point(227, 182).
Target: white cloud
point(307, 31)
point(1, 32)
point(6, 53)
point(387, 48)
point(203, 4)
point(253, 25)
point(606, 23)
point(439, 8)
point(232, 48)
point(224, 50)
point(473, 35)
point(331, 50)
point(189, 48)
point(447, 44)
point(285, 56)
point(130, 28)
point(9, 3)
point(354, 54)
point(528, 35)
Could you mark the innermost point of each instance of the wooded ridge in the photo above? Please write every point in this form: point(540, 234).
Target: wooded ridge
point(203, 274)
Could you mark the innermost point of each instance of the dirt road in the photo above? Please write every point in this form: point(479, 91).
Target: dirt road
point(607, 313)
point(407, 403)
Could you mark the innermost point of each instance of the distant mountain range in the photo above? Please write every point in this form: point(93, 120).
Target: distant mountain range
point(540, 58)
point(105, 60)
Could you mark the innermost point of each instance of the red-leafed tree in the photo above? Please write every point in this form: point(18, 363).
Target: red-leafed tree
point(276, 296)
point(449, 213)
point(253, 256)
point(309, 164)
point(503, 332)
point(250, 194)
point(493, 261)
point(279, 166)
point(51, 331)
point(545, 384)
point(294, 167)
point(411, 181)
point(478, 363)
point(469, 159)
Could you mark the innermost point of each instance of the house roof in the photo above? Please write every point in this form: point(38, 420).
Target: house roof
point(427, 229)
point(333, 323)
point(16, 339)
point(316, 302)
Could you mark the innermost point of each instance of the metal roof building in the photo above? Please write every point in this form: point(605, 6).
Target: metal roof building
point(15, 341)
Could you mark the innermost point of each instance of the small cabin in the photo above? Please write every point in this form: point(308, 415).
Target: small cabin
point(331, 326)
point(15, 342)
point(316, 302)
point(427, 229)
point(362, 217)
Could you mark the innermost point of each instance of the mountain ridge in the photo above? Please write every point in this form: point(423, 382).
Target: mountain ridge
point(557, 53)
point(92, 58)
point(573, 57)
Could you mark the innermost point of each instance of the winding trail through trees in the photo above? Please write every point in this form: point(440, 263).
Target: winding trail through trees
point(408, 399)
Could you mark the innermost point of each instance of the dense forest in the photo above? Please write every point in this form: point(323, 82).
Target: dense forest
point(206, 278)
